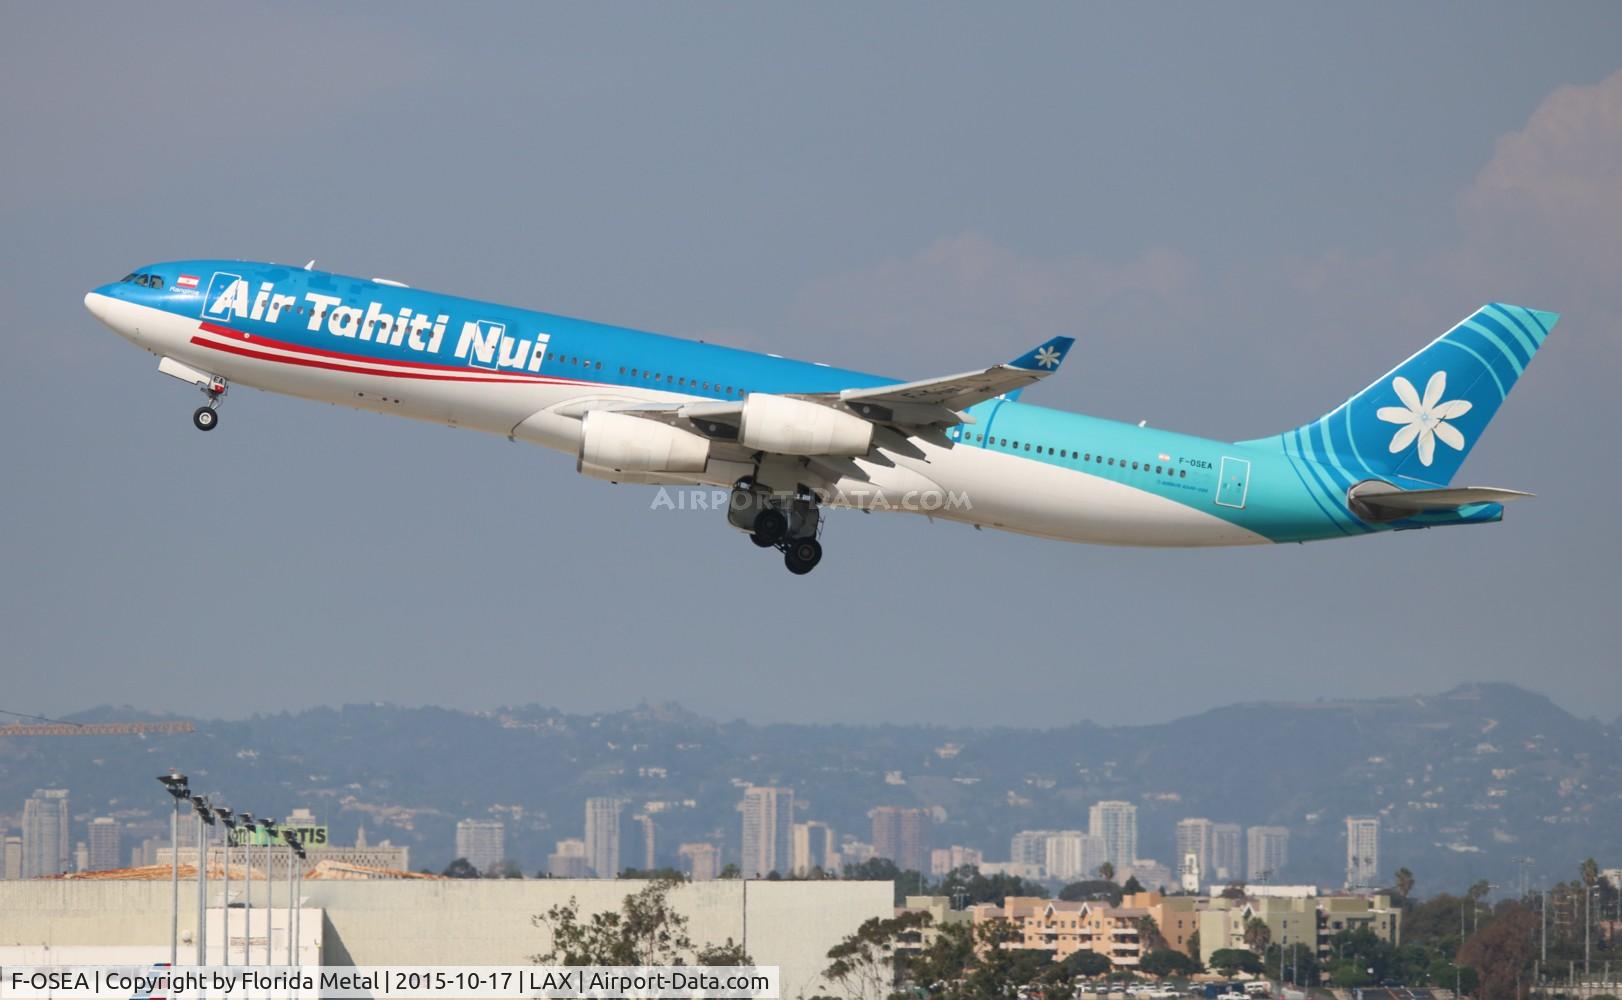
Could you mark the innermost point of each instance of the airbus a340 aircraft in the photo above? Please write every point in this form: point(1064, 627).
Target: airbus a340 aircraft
point(789, 437)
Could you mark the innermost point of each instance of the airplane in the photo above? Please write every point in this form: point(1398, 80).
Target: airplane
point(790, 438)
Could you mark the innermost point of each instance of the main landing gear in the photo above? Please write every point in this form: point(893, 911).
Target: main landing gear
point(787, 523)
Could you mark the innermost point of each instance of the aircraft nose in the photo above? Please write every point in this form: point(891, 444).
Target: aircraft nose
point(98, 304)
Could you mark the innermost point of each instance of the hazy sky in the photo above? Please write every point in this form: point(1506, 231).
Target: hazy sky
point(1242, 213)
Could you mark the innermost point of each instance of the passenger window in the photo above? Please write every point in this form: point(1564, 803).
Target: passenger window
point(1064, 453)
point(1182, 473)
point(1112, 461)
point(598, 366)
point(1028, 447)
point(682, 380)
point(1134, 466)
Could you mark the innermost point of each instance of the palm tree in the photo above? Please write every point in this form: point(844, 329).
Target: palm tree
point(1106, 871)
point(1590, 870)
point(1405, 882)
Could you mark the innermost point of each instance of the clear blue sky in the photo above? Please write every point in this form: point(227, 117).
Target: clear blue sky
point(1242, 213)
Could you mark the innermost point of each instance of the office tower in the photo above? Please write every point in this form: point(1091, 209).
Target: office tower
point(483, 842)
point(946, 860)
point(13, 860)
point(603, 836)
point(1225, 842)
point(1030, 847)
point(569, 860)
point(1117, 823)
point(106, 844)
point(701, 862)
point(644, 825)
point(1073, 855)
point(1193, 841)
point(1362, 851)
point(768, 819)
point(902, 835)
point(814, 847)
point(1267, 852)
point(45, 833)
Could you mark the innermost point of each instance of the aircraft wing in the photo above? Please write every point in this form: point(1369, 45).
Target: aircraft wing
point(905, 406)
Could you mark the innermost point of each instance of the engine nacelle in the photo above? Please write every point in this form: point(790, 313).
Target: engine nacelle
point(787, 426)
point(616, 442)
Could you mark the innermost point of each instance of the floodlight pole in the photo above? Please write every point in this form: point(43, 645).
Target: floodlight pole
point(287, 835)
point(175, 784)
point(248, 823)
point(270, 890)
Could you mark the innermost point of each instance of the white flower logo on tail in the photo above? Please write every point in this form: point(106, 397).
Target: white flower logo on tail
point(1424, 419)
point(1047, 357)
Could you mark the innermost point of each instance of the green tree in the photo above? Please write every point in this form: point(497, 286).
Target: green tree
point(864, 963)
point(1086, 963)
point(1106, 871)
point(1502, 951)
point(1194, 946)
point(1590, 873)
point(1257, 935)
point(460, 868)
point(1094, 889)
point(966, 886)
point(731, 871)
point(1405, 883)
point(667, 874)
point(948, 954)
point(1149, 936)
point(1230, 961)
point(1300, 962)
point(646, 930)
point(1164, 962)
point(1132, 885)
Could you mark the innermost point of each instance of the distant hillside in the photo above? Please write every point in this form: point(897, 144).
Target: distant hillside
point(1466, 780)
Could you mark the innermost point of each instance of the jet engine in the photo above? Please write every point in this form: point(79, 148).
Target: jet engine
point(617, 443)
point(787, 426)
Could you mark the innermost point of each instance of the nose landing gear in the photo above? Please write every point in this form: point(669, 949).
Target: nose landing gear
point(789, 524)
point(207, 416)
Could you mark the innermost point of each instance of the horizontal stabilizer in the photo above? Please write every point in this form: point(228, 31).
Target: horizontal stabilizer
point(1377, 501)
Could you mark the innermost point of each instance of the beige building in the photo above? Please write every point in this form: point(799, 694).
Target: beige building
point(1310, 921)
point(701, 862)
point(428, 921)
point(1064, 927)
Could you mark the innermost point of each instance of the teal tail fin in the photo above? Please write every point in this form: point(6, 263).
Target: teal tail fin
point(1419, 420)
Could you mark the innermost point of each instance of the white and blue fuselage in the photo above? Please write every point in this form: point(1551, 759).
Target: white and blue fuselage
point(997, 463)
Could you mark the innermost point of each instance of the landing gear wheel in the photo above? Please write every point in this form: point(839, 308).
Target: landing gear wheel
point(771, 527)
point(204, 418)
point(802, 555)
point(764, 543)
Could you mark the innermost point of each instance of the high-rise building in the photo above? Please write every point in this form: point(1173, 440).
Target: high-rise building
point(1193, 850)
point(483, 842)
point(13, 861)
point(647, 841)
point(1267, 852)
point(106, 844)
point(902, 835)
point(768, 820)
point(946, 860)
point(814, 847)
point(1362, 851)
point(1117, 823)
point(569, 860)
point(1073, 855)
point(1225, 845)
point(701, 862)
point(1030, 847)
point(603, 835)
point(45, 833)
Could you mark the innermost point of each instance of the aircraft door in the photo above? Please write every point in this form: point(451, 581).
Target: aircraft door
point(1233, 482)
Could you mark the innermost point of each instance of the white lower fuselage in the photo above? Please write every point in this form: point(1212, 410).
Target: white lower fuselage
point(929, 474)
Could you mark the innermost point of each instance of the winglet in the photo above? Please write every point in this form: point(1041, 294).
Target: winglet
point(1044, 357)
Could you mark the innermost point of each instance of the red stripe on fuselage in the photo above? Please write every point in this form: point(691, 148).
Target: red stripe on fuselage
point(424, 370)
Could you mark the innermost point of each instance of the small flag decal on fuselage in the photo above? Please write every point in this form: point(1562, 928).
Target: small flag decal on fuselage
point(187, 281)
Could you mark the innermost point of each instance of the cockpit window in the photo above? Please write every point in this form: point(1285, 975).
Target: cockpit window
point(144, 280)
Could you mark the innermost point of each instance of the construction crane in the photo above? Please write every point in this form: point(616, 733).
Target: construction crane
point(55, 727)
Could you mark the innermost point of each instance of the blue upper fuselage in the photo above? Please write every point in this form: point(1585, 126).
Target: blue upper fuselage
point(1261, 486)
